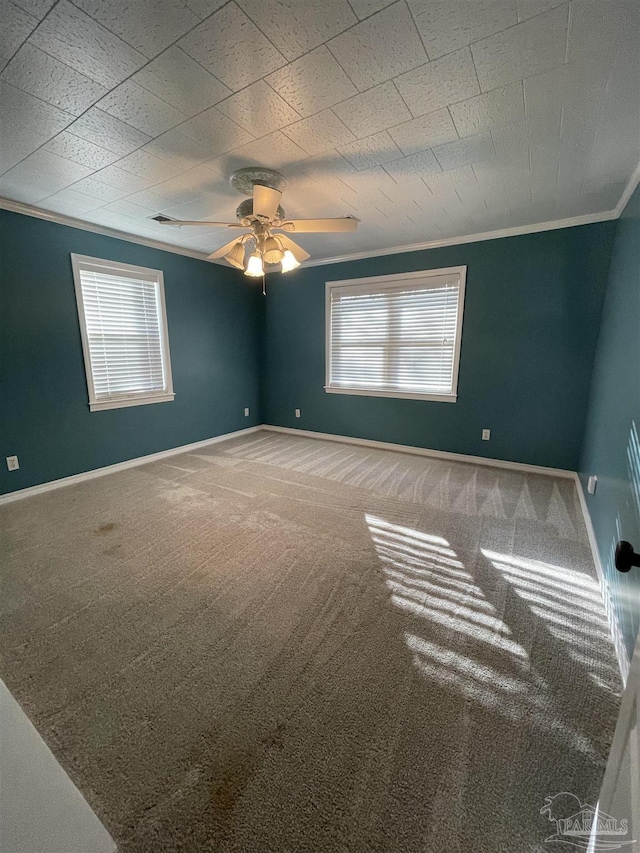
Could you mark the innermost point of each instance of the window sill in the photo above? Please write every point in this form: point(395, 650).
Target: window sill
point(402, 395)
point(123, 402)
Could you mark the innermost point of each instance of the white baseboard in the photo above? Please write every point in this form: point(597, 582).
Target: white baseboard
point(423, 451)
point(120, 466)
point(614, 626)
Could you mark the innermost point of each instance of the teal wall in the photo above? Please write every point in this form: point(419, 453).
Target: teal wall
point(611, 449)
point(532, 311)
point(215, 327)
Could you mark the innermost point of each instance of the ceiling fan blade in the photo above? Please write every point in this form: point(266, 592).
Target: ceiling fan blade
point(200, 222)
point(265, 201)
point(222, 251)
point(297, 251)
point(305, 226)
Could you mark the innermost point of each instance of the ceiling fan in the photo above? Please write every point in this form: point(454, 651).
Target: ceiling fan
point(260, 216)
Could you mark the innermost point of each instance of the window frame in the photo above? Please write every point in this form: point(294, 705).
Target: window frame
point(387, 282)
point(127, 270)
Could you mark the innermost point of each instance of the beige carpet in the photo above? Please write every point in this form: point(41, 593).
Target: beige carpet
point(283, 644)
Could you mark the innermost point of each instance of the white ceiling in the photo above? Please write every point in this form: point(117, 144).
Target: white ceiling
point(425, 119)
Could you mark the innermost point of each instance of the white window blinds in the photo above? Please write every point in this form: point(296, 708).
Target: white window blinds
point(124, 334)
point(396, 335)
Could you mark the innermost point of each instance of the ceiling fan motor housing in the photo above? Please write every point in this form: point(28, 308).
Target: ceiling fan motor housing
point(244, 181)
point(245, 210)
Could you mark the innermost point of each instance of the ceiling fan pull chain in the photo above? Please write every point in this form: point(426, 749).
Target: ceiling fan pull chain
point(264, 285)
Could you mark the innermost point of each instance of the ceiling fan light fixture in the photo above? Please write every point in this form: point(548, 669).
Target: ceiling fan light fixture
point(272, 252)
point(254, 266)
point(289, 261)
point(236, 256)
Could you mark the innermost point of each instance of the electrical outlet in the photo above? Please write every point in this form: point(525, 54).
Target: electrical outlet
point(486, 434)
point(12, 463)
point(297, 413)
point(592, 484)
point(246, 412)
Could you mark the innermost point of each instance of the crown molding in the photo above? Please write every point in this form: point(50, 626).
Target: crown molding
point(629, 190)
point(94, 228)
point(584, 219)
point(570, 222)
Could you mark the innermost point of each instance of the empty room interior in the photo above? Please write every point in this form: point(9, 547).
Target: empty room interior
point(319, 426)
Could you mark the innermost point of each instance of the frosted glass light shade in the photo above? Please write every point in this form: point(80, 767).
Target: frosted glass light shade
point(254, 267)
point(273, 253)
point(289, 262)
point(236, 256)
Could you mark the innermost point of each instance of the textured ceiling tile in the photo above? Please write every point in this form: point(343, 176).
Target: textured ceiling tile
point(424, 132)
point(178, 79)
point(473, 149)
point(319, 133)
point(383, 46)
point(614, 155)
point(153, 169)
point(16, 143)
point(522, 51)
point(37, 8)
point(573, 90)
point(531, 8)
point(187, 186)
point(232, 48)
point(80, 151)
point(47, 171)
point(148, 25)
point(445, 184)
point(140, 108)
point(215, 132)
point(492, 109)
point(17, 24)
point(446, 26)
point(99, 190)
point(204, 8)
point(119, 222)
point(295, 26)
point(109, 132)
point(312, 83)
point(366, 8)
point(374, 110)
point(415, 166)
point(512, 145)
point(151, 200)
point(19, 189)
point(121, 180)
point(44, 77)
point(70, 202)
point(371, 151)
point(74, 38)
point(275, 151)
point(174, 147)
point(258, 109)
point(598, 29)
point(126, 207)
point(440, 83)
point(19, 109)
point(207, 206)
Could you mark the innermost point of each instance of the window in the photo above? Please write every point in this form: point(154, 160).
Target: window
point(123, 324)
point(396, 335)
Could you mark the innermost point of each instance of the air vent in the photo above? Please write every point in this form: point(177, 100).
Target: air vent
point(160, 217)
